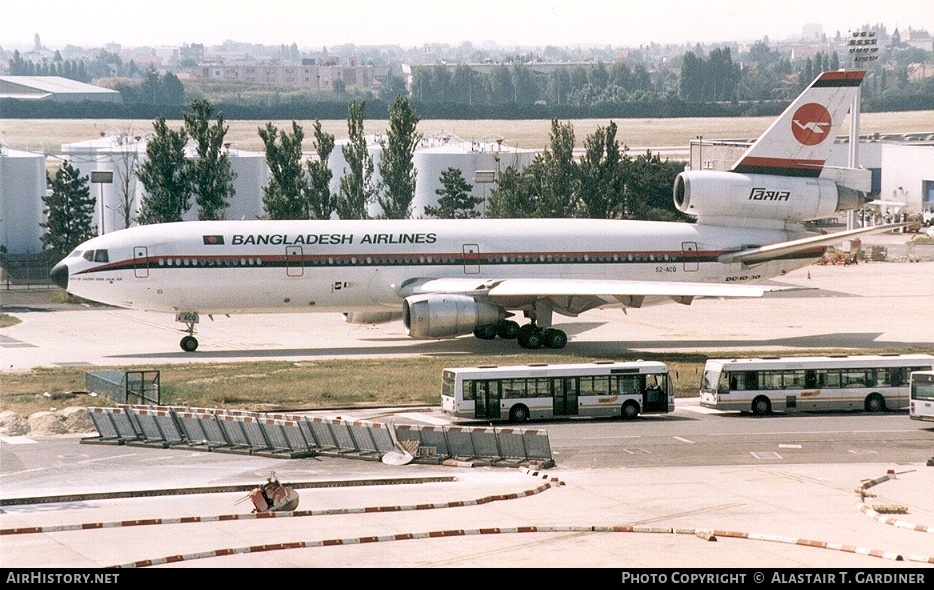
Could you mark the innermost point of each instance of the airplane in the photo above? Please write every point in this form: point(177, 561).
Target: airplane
point(448, 278)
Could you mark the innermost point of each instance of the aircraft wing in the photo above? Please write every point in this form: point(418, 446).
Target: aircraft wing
point(752, 256)
point(573, 296)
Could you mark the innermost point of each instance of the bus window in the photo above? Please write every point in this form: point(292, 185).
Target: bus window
point(629, 385)
point(709, 382)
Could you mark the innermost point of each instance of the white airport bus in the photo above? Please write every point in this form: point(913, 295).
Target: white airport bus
point(873, 383)
point(518, 393)
point(922, 396)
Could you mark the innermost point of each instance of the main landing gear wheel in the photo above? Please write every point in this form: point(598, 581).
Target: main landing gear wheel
point(507, 329)
point(554, 338)
point(530, 337)
point(189, 344)
point(485, 332)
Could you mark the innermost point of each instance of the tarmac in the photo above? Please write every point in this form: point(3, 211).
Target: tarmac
point(846, 519)
point(851, 516)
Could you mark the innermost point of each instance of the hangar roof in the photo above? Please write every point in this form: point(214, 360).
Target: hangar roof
point(44, 87)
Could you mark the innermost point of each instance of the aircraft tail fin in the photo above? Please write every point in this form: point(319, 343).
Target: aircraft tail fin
point(799, 141)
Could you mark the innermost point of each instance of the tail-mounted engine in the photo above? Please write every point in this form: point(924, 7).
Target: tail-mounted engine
point(717, 197)
point(444, 316)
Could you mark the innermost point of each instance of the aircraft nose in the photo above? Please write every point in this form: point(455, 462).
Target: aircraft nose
point(59, 275)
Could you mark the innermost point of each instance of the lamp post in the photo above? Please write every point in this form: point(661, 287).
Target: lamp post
point(102, 177)
point(700, 152)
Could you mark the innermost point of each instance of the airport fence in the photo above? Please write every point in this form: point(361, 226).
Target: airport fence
point(298, 436)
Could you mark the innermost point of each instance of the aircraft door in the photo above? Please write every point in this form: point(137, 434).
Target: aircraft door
point(471, 259)
point(564, 396)
point(689, 256)
point(140, 262)
point(293, 261)
point(486, 400)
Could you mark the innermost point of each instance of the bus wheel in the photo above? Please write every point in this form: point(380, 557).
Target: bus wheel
point(630, 411)
point(875, 403)
point(518, 413)
point(761, 406)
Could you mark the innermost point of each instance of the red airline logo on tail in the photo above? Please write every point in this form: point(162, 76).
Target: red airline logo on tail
point(811, 123)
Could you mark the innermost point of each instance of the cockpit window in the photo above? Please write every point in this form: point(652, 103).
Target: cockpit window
point(97, 256)
point(75, 253)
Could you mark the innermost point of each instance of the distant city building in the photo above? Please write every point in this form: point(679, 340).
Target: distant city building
point(191, 53)
point(307, 76)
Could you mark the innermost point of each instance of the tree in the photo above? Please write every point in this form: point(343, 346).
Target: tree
point(396, 166)
point(284, 194)
point(514, 195)
point(601, 174)
point(648, 188)
point(125, 165)
point(320, 199)
point(69, 213)
point(164, 176)
point(395, 86)
point(357, 188)
point(210, 173)
point(455, 198)
point(558, 182)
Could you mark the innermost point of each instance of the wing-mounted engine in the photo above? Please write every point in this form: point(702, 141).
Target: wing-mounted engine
point(438, 315)
point(372, 317)
point(731, 198)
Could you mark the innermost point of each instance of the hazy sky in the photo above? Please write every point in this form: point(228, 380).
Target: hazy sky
point(412, 23)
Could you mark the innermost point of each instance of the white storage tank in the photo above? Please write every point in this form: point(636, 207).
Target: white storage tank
point(252, 175)
point(480, 163)
point(338, 164)
point(120, 153)
point(432, 156)
point(117, 153)
point(22, 186)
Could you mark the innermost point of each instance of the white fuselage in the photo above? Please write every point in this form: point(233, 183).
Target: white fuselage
point(345, 266)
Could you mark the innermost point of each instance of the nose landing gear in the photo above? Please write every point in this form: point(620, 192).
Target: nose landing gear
point(189, 343)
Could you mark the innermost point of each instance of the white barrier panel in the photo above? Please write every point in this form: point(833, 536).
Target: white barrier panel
point(284, 436)
point(433, 437)
point(157, 425)
point(233, 432)
point(382, 438)
point(126, 431)
point(512, 445)
point(320, 430)
point(362, 435)
point(536, 445)
point(254, 433)
point(341, 433)
point(201, 428)
point(101, 417)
